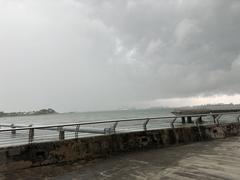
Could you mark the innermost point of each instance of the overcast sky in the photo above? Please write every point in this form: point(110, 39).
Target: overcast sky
point(81, 55)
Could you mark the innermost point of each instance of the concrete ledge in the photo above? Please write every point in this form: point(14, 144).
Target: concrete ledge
point(39, 154)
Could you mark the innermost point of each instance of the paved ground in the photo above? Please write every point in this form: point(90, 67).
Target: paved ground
point(219, 159)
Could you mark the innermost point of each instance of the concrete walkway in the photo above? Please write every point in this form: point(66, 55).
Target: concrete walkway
point(219, 159)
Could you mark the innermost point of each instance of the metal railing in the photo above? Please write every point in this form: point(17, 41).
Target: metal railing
point(12, 134)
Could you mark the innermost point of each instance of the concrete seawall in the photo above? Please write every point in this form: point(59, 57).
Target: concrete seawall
point(84, 149)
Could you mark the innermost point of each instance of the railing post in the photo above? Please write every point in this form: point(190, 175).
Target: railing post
point(189, 119)
point(145, 124)
point(217, 118)
point(77, 130)
point(173, 121)
point(31, 135)
point(113, 129)
point(200, 120)
point(214, 117)
point(13, 127)
point(183, 120)
point(61, 133)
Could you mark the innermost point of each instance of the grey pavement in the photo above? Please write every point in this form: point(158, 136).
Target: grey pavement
point(218, 159)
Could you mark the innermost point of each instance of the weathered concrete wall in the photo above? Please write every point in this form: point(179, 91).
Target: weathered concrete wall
point(39, 154)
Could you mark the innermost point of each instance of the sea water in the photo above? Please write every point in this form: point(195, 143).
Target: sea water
point(79, 117)
point(40, 135)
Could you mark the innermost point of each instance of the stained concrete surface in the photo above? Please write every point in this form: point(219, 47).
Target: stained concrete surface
point(218, 159)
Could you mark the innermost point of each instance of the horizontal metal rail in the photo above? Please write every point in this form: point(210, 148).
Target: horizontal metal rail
point(86, 123)
point(113, 121)
point(110, 127)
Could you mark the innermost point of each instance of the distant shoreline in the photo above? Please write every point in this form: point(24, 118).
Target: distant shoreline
point(50, 111)
point(30, 113)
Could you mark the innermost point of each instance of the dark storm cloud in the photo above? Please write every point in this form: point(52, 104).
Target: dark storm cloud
point(86, 55)
point(184, 47)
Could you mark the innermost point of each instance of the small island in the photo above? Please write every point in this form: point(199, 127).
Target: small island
point(30, 113)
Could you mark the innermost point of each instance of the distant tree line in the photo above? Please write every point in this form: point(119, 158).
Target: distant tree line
point(30, 113)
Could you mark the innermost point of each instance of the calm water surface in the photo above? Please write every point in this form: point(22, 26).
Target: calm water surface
point(85, 116)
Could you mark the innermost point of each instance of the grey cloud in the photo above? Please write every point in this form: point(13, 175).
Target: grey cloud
point(93, 55)
point(191, 45)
